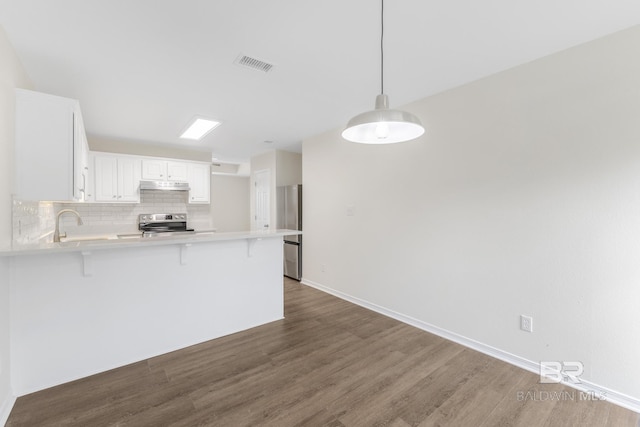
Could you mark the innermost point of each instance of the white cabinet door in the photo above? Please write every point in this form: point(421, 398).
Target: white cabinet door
point(48, 142)
point(106, 179)
point(117, 179)
point(80, 159)
point(164, 170)
point(154, 169)
point(90, 173)
point(200, 182)
point(177, 171)
point(128, 180)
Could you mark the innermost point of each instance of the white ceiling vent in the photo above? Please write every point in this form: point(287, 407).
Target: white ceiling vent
point(253, 63)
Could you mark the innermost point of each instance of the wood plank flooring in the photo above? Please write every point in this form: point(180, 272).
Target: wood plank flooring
point(329, 363)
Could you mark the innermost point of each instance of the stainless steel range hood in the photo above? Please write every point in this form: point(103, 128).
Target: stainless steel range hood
point(164, 185)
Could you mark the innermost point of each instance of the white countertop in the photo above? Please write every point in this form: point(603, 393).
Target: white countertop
point(113, 242)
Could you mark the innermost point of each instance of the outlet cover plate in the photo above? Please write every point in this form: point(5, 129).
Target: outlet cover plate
point(526, 323)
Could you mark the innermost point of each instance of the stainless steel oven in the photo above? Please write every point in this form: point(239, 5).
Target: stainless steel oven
point(158, 225)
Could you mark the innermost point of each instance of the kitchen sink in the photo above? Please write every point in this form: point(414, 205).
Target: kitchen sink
point(88, 238)
point(99, 237)
point(129, 236)
point(78, 239)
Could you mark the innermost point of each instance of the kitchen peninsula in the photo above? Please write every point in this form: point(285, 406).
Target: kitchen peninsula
point(79, 308)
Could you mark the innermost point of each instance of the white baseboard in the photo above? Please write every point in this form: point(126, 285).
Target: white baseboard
point(5, 409)
point(612, 396)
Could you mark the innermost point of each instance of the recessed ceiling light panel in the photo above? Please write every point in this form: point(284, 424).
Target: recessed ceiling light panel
point(198, 128)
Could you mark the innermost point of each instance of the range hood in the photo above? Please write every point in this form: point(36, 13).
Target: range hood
point(164, 185)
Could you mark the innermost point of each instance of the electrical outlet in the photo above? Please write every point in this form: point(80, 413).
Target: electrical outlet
point(526, 323)
point(351, 210)
point(323, 268)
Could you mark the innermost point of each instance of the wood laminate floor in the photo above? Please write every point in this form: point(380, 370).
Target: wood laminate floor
point(329, 363)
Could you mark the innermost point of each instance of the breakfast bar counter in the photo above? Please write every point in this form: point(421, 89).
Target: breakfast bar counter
point(114, 241)
point(79, 308)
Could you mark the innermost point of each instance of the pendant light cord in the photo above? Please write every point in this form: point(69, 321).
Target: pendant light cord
point(382, 47)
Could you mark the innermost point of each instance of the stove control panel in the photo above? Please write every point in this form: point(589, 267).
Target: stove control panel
point(146, 218)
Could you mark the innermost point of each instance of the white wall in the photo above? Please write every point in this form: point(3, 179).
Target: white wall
point(230, 202)
point(109, 145)
point(12, 75)
point(288, 168)
point(521, 198)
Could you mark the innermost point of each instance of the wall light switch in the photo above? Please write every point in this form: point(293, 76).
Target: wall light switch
point(351, 210)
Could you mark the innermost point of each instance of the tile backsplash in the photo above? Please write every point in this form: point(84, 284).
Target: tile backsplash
point(34, 222)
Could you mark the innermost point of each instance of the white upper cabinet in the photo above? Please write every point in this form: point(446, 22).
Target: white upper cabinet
point(164, 170)
point(128, 180)
point(154, 169)
point(117, 179)
point(105, 185)
point(51, 148)
point(199, 182)
point(80, 160)
point(177, 171)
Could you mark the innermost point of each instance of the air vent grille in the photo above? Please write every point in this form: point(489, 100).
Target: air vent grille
point(253, 63)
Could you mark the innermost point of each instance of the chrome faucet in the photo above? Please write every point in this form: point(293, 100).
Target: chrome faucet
point(56, 233)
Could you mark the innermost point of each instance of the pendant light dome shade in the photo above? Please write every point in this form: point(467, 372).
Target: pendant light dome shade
point(383, 125)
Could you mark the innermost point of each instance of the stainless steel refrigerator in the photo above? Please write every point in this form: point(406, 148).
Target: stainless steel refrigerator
point(289, 199)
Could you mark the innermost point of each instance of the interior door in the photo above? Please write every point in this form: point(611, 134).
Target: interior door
point(262, 183)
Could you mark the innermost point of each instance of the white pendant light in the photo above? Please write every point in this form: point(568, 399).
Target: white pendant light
point(383, 125)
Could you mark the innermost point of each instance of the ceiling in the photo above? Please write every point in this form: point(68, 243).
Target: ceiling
point(142, 69)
